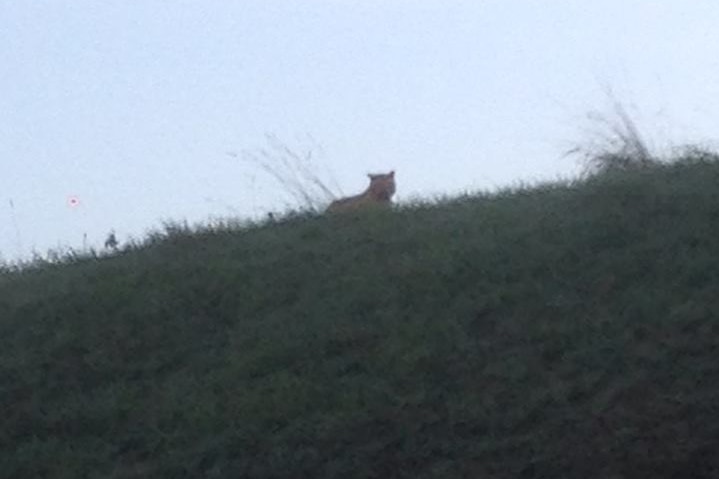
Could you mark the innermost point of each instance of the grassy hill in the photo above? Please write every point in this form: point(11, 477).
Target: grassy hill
point(559, 331)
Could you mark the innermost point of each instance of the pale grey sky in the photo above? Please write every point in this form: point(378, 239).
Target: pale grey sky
point(132, 106)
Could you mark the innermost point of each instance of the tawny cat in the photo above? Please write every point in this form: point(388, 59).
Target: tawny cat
point(379, 192)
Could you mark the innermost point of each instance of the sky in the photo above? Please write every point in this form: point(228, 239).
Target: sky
point(120, 114)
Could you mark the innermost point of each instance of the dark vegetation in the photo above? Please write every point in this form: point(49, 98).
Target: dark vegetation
point(564, 330)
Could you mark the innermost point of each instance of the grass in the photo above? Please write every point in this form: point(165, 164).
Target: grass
point(561, 330)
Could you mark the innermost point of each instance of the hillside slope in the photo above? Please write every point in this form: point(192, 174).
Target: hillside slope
point(556, 331)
